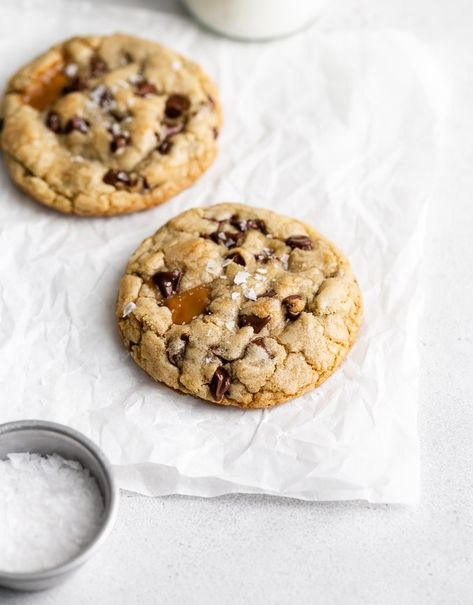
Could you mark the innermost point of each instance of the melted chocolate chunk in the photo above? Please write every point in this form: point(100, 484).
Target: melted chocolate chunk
point(75, 85)
point(118, 177)
point(244, 225)
point(237, 258)
point(167, 282)
point(299, 241)
point(176, 105)
point(119, 141)
point(176, 355)
point(98, 67)
point(76, 123)
point(145, 88)
point(294, 305)
point(53, 121)
point(227, 238)
point(255, 322)
point(165, 147)
point(220, 383)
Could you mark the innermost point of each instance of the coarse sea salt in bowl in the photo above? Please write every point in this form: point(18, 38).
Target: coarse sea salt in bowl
point(58, 502)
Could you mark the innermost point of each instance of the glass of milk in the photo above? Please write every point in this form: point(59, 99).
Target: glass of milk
point(255, 19)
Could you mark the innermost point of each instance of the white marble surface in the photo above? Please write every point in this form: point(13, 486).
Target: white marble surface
point(243, 549)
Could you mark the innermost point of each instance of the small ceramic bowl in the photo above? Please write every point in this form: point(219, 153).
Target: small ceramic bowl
point(41, 437)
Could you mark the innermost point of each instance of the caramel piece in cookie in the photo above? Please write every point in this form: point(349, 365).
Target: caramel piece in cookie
point(238, 306)
point(106, 125)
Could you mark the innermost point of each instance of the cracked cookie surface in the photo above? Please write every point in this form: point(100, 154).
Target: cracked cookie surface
point(238, 306)
point(106, 125)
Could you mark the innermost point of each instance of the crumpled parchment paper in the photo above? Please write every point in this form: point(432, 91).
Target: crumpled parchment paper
point(336, 128)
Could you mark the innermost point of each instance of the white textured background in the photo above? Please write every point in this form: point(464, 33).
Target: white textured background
point(243, 549)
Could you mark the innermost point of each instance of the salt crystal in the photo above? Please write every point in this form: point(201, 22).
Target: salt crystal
point(261, 271)
point(230, 324)
point(241, 277)
point(176, 65)
point(135, 78)
point(49, 509)
point(71, 70)
point(250, 294)
point(260, 278)
point(226, 262)
point(285, 260)
point(235, 295)
point(129, 308)
point(213, 267)
point(115, 128)
point(96, 94)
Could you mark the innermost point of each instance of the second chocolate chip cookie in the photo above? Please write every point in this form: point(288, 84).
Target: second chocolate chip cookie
point(108, 125)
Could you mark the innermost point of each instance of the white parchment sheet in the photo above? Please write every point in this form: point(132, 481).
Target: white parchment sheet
point(336, 128)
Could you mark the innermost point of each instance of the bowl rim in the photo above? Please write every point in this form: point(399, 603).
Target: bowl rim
point(110, 511)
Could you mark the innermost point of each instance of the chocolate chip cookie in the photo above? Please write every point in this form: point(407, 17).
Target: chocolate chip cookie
point(239, 306)
point(108, 125)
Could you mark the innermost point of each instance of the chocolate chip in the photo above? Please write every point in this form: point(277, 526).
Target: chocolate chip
point(145, 88)
point(251, 223)
point(167, 282)
point(118, 117)
point(176, 105)
point(76, 123)
point(165, 147)
point(220, 383)
point(264, 256)
point(237, 258)
point(75, 85)
point(53, 121)
point(176, 353)
point(255, 322)
point(215, 132)
point(227, 238)
point(299, 241)
point(118, 177)
point(97, 66)
point(119, 141)
point(294, 305)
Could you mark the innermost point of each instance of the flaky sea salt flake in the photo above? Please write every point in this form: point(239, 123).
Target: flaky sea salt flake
point(129, 308)
point(241, 277)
